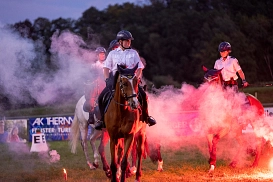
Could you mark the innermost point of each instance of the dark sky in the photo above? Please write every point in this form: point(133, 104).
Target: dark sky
point(13, 11)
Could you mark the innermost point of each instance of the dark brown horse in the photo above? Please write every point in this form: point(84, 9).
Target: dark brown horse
point(214, 77)
point(122, 120)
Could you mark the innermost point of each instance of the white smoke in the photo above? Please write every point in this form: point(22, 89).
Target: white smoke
point(24, 71)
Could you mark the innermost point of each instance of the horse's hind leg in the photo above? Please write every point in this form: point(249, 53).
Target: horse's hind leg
point(94, 136)
point(84, 145)
point(160, 160)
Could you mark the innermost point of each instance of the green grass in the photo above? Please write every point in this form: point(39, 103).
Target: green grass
point(186, 164)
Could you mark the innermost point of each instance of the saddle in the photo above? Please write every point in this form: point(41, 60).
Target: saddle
point(107, 97)
point(230, 82)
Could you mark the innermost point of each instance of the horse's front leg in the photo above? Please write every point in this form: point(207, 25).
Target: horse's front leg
point(140, 151)
point(104, 141)
point(113, 165)
point(214, 139)
point(128, 142)
point(212, 158)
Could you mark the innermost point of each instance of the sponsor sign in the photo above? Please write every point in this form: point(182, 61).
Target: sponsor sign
point(54, 128)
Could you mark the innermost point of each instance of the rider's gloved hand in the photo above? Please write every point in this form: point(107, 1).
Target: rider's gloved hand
point(245, 83)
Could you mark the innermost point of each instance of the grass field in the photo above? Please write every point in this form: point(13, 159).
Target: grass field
point(187, 164)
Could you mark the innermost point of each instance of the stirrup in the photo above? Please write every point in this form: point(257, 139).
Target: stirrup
point(99, 125)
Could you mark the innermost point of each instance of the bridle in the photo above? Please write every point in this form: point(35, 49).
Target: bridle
point(121, 85)
point(130, 79)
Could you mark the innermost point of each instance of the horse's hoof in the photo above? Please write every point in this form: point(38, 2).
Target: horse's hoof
point(91, 166)
point(160, 166)
point(233, 164)
point(108, 173)
point(96, 165)
point(118, 174)
point(211, 170)
point(133, 170)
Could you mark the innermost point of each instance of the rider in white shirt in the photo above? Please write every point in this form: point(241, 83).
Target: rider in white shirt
point(94, 87)
point(123, 55)
point(230, 66)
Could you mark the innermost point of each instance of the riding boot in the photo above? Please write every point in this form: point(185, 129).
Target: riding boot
point(145, 116)
point(99, 125)
point(91, 118)
point(150, 121)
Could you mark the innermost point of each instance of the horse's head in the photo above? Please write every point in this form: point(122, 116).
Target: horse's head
point(128, 84)
point(212, 75)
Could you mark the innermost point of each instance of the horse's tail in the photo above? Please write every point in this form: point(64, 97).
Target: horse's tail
point(74, 134)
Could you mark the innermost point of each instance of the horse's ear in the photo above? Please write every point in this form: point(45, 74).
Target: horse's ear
point(205, 69)
point(120, 69)
point(219, 71)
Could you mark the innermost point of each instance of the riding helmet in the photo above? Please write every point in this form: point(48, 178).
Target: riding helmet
point(124, 35)
point(100, 50)
point(113, 43)
point(224, 46)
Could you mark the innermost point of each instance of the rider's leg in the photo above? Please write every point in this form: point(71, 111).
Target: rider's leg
point(145, 115)
point(109, 88)
point(88, 105)
point(100, 124)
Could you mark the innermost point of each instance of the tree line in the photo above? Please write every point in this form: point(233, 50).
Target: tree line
point(176, 37)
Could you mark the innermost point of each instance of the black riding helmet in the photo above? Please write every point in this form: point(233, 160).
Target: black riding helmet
point(124, 35)
point(113, 43)
point(224, 46)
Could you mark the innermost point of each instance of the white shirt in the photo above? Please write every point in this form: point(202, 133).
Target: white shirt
point(128, 57)
point(230, 67)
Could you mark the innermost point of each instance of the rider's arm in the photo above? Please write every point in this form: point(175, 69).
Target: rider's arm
point(106, 72)
point(242, 76)
point(139, 72)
